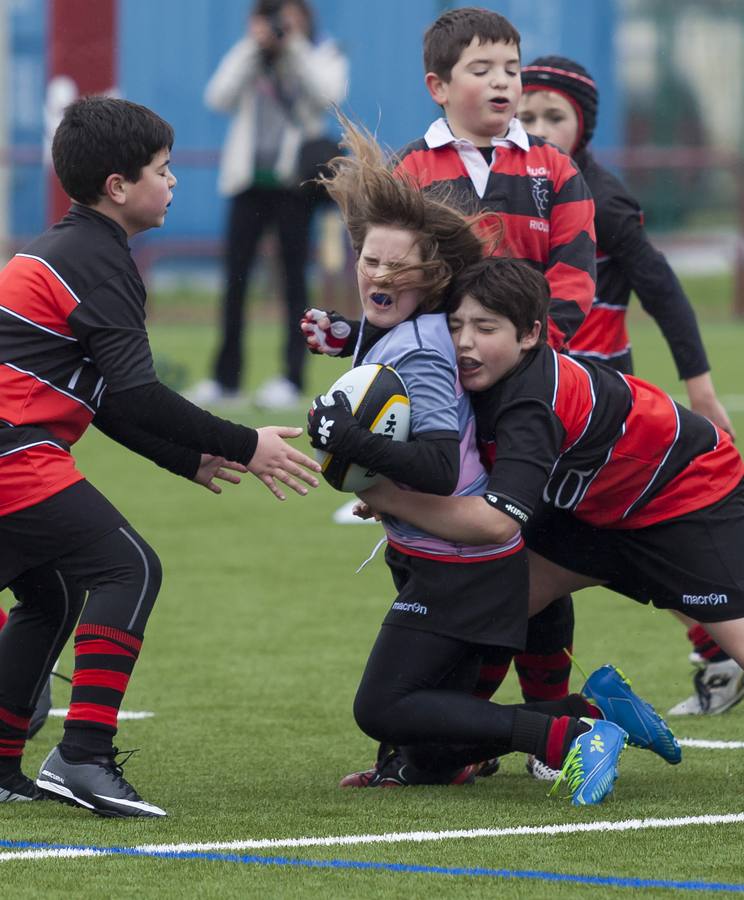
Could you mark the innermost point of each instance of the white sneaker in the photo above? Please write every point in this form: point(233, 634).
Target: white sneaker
point(540, 771)
point(278, 393)
point(345, 516)
point(211, 393)
point(718, 687)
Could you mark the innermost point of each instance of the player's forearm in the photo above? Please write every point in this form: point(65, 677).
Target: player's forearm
point(430, 463)
point(663, 297)
point(162, 412)
point(178, 460)
point(466, 520)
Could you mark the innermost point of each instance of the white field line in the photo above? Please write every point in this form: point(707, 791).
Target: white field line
point(711, 745)
point(351, 840)
point(62, 853)
point(419, 837)
point(123, 714)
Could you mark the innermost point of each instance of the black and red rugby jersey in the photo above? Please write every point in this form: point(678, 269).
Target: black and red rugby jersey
point(72, 295)
point(543, 202)
point(613, 450)
point(626, 260)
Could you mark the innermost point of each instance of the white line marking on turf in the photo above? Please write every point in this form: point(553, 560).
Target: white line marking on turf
point(427, 836)
point(711, 745)
point(389, 838)
point(123, 714)
point(61, 853)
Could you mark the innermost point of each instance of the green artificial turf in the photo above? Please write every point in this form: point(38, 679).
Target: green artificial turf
point(250, 664)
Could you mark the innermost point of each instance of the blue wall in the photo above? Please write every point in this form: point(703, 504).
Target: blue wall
point(169, 48)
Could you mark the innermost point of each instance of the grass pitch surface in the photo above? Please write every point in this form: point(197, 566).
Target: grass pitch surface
point(250, 664)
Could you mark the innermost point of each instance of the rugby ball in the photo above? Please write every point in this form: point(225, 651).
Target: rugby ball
point(379, 401)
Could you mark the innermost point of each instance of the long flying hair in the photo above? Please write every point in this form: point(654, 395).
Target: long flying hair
point(370, 191)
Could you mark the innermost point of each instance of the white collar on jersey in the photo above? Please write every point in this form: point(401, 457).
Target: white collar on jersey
point(439, 134)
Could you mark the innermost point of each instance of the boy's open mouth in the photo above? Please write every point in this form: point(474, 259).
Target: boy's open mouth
point(383, 300)
point(468, 364)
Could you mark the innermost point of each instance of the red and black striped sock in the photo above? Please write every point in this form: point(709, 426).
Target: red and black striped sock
point(704, 644)
point(14, 724)
point(560, 736)
point(494, 667)
point(547, 737)
point(544, 676)
point(104, 659)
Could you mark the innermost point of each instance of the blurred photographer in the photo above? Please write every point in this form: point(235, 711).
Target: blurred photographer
point(277, 83)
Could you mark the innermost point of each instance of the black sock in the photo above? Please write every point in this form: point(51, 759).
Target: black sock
point(82, 744)
point(9, 765)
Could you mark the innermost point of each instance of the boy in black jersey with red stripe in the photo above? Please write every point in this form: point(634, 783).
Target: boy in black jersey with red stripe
point(612, 481)
point(559, 104)
point(74, 351)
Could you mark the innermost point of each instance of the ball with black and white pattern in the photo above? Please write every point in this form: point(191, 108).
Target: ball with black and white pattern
point(379, 401)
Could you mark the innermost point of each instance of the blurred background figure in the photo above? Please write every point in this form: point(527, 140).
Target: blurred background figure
point(277, 83)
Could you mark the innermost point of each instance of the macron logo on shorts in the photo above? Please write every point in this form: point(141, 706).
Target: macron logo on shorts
point(417, 608)
point(704, 599)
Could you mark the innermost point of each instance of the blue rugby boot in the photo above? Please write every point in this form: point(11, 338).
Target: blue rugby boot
point(610, 690)
point(590, 767)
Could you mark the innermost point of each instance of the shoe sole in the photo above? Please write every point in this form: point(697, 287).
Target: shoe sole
point(20, 798)
point(65, 795)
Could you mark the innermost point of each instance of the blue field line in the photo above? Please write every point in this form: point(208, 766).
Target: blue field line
point(401, 868)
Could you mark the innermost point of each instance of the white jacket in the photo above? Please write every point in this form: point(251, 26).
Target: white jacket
point(320, 69)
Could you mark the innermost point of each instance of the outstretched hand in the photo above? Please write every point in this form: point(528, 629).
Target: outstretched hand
point(276, 461)
point(212, 467)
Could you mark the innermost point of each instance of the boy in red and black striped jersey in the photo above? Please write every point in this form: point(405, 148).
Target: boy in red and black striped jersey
point(481, 159)
point(612, 481)
point(74, 351)
point(559, 104)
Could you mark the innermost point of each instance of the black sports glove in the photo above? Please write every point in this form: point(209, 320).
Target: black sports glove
point(331, 423)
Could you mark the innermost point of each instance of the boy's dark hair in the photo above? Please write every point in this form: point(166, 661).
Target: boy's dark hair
point(454, 30)
point(99, 136)
point(508, 287)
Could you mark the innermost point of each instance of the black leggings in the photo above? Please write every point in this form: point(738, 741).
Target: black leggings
point(407, 697)
point(251, 212)
point(121, 575)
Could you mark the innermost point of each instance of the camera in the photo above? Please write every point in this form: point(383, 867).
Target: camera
point(275, 22)
point(271, 10)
